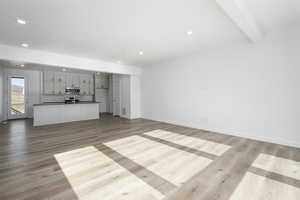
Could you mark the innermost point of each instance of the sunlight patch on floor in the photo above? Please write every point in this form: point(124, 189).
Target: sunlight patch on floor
point(258, 187)
point(255, 187)
point(191, 142)
point(172, 164)
point(278, 165)
point(93, 175)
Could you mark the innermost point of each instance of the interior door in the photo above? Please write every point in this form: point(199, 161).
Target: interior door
point(17, 104)
point(116, 94)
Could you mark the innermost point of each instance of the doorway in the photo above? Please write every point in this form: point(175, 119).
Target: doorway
point(17, 97)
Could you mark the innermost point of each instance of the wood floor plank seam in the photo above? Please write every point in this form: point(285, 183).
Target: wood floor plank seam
point(149, 177)
point(275, 176)
point(181, 147)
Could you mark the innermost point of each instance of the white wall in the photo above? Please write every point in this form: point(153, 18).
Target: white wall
point(1, 94)
point(250, 90)
point(33, 92)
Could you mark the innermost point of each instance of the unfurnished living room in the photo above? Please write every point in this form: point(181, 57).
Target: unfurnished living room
point(149, 99)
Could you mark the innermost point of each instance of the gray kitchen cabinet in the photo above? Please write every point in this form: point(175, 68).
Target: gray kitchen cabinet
point(72, 80)
point(49, 83)
point(91, 85)
point(97, 81)
point(59, 83)
point(105, 81)
point(76, 80)
point(84, 84)
point(55, 83)
point(69, 80)
point(101, 81)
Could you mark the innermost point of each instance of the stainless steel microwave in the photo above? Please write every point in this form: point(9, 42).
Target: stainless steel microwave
point(73, 91)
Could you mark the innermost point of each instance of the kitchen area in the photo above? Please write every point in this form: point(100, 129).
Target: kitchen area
point(69, 96)
point(54, 95)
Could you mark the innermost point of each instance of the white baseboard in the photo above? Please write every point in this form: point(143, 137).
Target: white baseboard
point(279, 141)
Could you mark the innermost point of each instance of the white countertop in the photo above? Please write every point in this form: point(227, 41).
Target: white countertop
point(63, 103)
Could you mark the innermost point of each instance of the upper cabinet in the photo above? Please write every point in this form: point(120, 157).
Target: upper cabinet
point(54, 83)
point(101, 81)
point(76, 80)
point(97, 81)
point(49, 82)
point(84, 84)
point(69, 80)
point(59, 83)
point(72, 80)
point(105, 80)
point(91, 85)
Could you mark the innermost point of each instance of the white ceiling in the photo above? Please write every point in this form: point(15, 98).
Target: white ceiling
point(118, 29)
point(275, 15)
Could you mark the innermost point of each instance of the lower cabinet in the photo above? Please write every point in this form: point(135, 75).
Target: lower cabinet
point(89, 111)
point(70, 113)
point(55, 114)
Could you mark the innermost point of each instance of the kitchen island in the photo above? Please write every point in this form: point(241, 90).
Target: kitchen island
point(59, 112)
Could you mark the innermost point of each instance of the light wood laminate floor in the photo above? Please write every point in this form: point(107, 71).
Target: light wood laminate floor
point(119, 159)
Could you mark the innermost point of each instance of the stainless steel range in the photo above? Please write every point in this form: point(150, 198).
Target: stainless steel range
point(72, 95)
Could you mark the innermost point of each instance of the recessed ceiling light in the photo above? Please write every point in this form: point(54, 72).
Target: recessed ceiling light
point(119, 62)
point(141, 53)
point(190, 32)
point(25, 45)
point(21, 21)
